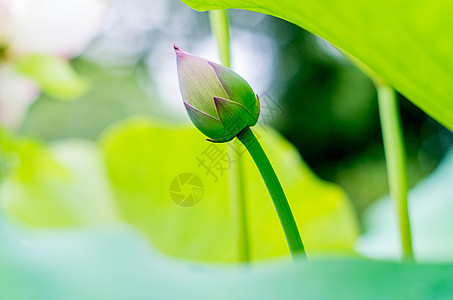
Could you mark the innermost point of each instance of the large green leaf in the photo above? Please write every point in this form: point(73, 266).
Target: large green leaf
point(67, 184)
point(406, 43)
point(144, 157)
point(61, 185)
point(116, 263)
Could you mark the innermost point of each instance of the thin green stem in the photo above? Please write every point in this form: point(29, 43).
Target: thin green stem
point(238, 202)
point(275, 189)
point(220, 28)
point(395, 157)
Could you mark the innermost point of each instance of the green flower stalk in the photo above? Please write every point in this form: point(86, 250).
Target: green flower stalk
point(222, 105)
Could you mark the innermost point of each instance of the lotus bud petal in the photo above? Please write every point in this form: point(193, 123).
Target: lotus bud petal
point(219, 102)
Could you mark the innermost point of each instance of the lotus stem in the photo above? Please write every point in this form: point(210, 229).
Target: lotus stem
point(275, 189)
point(395, 157)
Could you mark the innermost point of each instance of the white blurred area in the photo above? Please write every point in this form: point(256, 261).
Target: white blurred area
point(17, 93)
point(52, 27)
point(45, 27)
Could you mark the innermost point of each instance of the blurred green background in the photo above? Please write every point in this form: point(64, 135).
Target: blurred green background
point(318, 100)
point(86, 180)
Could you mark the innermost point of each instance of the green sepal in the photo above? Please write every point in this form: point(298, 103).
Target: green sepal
point(256, 114)
point(233, 115)
point(236, 88)
point(209, 126)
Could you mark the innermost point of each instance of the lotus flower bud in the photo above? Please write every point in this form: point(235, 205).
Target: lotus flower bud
point(219, 102)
